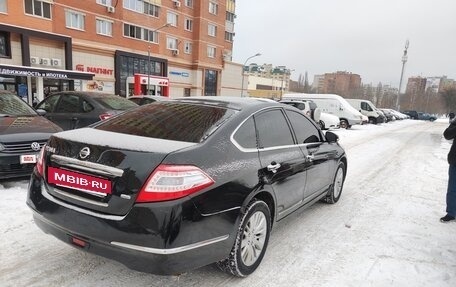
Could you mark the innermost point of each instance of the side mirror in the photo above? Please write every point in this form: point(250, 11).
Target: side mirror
point(331, 137)
point(41, 112)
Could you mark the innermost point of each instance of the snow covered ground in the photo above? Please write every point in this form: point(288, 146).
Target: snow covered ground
point(385, 230)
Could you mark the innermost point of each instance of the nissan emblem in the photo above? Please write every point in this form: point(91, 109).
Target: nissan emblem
point(84, 153)
point(35, 146)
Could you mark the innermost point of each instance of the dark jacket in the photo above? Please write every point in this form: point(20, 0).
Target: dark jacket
point(450, 134)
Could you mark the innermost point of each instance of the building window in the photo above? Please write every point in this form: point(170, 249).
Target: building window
point(38, 8)
point(211, 51)
point(212, 30)
point(5, 50)
point(230, 17)
point(189, 24)
point(210, 83)
point(105, 2)
point(229, 36)
point(3, 8)
point(213, 8)
point(140, 33)
point(188, 48)
point(104, 27)
point(189, 3)
point(142, 7)
point(74, 20)
point(171, 19)
point(171, 43)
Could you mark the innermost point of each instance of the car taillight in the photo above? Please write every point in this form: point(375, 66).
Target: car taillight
point(169, 182)
point(105, 116)
point(40, 162)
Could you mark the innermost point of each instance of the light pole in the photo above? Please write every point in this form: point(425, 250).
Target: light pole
point(404, 60)
point(245, 63)
point(148, 55)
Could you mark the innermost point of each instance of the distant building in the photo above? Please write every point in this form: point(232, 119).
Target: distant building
point(341, 83)
point(267, 81)
point(416, 85)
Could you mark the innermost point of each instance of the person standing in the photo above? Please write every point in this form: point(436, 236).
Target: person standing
point(450, 134)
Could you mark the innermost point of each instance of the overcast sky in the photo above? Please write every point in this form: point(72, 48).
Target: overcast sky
point(366, 37)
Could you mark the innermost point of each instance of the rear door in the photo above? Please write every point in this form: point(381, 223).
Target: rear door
point(319, 154)
point(282, 161)
point(66, 113)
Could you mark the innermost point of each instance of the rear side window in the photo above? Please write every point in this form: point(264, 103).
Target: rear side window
point(273, 129)
point(170, 121)
point(115, 103)
point(68, 104)
point(305, 131)
point(245, 136)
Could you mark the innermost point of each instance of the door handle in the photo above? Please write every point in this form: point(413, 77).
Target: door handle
point(310, 157)
point(273, 167)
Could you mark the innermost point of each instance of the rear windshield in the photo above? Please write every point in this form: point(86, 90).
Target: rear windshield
point(115, 103)
point(172, 121)
point(12, 105)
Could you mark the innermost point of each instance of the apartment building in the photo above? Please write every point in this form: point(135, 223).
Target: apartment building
point(161, 47)
point(341, 83)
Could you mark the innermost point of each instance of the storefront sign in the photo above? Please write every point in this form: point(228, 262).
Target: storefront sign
point(182, 74)
point(24, 71)
point(95, 70)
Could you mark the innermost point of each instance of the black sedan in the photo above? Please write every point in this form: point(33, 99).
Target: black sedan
point(175, 185)
point(23, 132)
point(72, 110)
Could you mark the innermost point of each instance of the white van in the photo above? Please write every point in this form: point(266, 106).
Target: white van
point(332, 104)
point(368, 109)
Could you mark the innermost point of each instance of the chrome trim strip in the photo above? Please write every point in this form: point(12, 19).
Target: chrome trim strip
point(73, 196)
point(218, 212)
point(78, 209)
point(87, 166)
point(171, 250)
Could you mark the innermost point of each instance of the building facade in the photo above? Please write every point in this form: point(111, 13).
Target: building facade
point(341, 83)
point(107, 45)
point(267, 81)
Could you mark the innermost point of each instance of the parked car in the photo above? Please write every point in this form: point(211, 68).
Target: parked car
point(331, 104)
point(328, 121)
point(72, 110)
point(175, 185)
point(23, 132)
point(426, 117)
point(389, 115)
point(146, 99)
point(412, 114)
point(308, 107)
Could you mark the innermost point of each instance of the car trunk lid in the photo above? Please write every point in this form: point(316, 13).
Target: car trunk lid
point(100, 170)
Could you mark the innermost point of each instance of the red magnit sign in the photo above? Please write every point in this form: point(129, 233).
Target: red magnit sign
point(95, 70)
point(78, 181)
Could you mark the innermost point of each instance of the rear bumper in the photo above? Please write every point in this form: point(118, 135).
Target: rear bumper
point(161, 238)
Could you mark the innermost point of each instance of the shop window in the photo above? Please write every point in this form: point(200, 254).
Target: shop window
point(210, 83)
point(38, 8)
point(5, 47)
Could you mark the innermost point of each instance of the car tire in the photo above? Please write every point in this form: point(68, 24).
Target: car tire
point(337, 186)
point(251, 240)
point(344, 124)
point(322, 124)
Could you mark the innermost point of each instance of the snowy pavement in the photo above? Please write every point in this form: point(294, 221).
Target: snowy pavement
point(385, 230)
